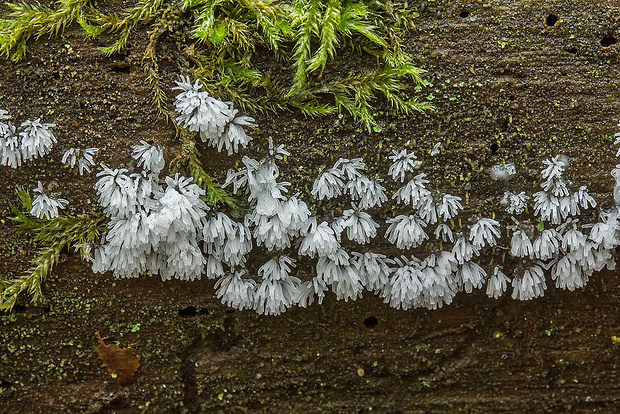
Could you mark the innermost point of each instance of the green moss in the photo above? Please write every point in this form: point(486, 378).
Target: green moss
point(28, 20)
point(54, 235)
point(226, 41)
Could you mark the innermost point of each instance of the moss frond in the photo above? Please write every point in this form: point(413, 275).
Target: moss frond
point(306, 22)
point(32, 281)
point(151, 66)
point(189, 157)
point(330, 26)
point(237, 33)
point(310, 107)
point(233, 24)
point(204, 21)
point(26, 20)
point(271, 18)
point(215, 193)
point(231, 72)
point(320, 28)
point(91, 30)
point(144, 12)
point(118, 46)
point(223, 76)
point(354, 20)
point(54, 235)
point(354, 93)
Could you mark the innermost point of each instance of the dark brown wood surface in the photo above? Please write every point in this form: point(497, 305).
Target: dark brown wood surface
point(500, 75)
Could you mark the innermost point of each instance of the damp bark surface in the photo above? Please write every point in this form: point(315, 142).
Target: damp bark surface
point(512, 82)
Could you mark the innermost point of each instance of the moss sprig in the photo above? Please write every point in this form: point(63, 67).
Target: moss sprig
point(53, 236)
point(26, 20)
point(189, 159)
point(143, 13)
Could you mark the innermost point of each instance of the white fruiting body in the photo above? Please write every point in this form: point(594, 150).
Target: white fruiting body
point(162, 225)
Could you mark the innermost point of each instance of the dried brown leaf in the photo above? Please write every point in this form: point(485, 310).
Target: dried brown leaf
point(121, 362)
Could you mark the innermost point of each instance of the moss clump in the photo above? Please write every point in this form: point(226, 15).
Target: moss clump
point(28, 20)
point(229, 40)
point(306, 35)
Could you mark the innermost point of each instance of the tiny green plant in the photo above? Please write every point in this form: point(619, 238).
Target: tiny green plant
point(189, 157)
point(28, 20)
point(53, 236)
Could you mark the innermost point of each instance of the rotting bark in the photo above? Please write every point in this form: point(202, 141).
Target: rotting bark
point(500, 75)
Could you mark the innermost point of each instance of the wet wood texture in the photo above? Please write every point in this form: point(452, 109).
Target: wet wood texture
point(501, 74)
